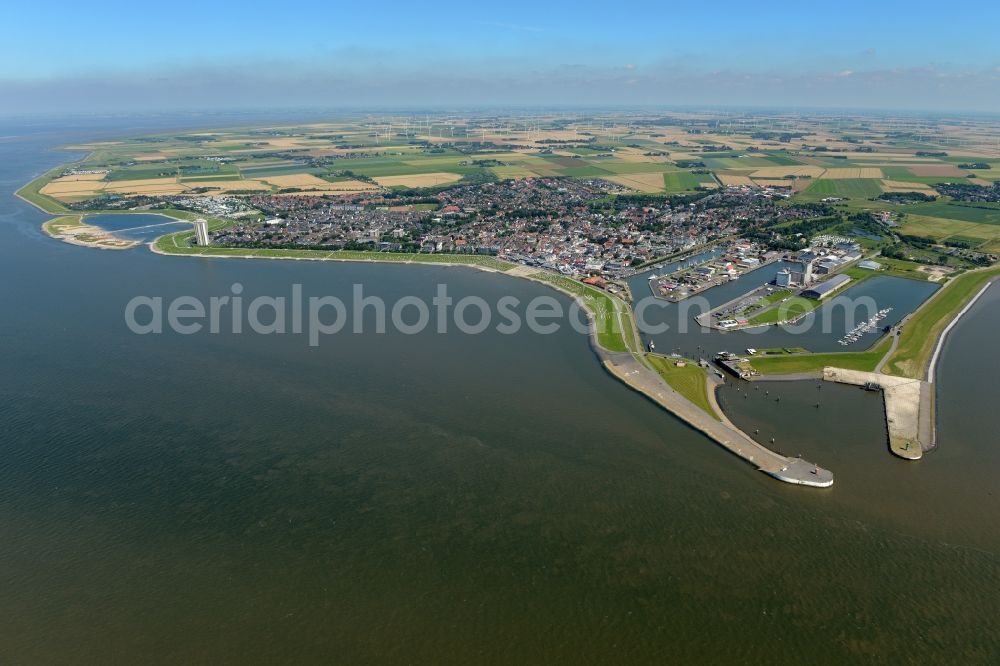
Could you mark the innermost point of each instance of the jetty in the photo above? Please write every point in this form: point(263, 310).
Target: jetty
point(909, 408)
point(627, 368)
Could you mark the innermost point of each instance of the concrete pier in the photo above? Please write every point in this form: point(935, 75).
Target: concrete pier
point(629, 370)
point(909, 409)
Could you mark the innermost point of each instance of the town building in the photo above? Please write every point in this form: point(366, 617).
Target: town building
point(824, 289)
point(201, 232)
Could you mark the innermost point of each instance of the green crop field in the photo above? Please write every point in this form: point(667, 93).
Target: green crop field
point(852, 188)
point(943, 229)
point(779, 159)
point(586, 171)
point(264, 171)
point(680, 181)
point(735, 162)
point(980, 213)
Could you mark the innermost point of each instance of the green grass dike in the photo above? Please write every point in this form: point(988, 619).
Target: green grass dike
point(920, 333)
point(32, 194)
point(690, 380)
point(180, 243)
point(612, 318)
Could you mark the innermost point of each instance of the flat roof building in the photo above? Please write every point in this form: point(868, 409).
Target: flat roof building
point(824, 289)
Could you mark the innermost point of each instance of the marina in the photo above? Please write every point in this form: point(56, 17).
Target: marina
point(818, 331)
point(864, 327)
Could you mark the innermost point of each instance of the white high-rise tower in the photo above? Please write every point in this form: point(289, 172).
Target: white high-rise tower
point(201, 232)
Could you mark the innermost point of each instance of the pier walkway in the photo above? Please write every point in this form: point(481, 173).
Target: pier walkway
point(629, 370)
point(909, 408)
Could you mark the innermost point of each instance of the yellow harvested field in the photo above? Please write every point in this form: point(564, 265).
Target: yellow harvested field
point(152, 157)
point(231, 185)
point(643, 182)
point(554, 135)
point(418, 180)
point(153, 182)
point(888, 157)
point(853, 172)
point(296, 180)
point(937, 170)
point(730, 180)
point(55, 189)
point(79, 188)
point(352, 185)
point(79, 184)
point(149, 186)
point(779, 171)
point(638, 156)
point(293, 142)
point(901, 186)
point(775, 182)
point(323, 193)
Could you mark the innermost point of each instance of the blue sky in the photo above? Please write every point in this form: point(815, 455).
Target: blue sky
point(187, 54)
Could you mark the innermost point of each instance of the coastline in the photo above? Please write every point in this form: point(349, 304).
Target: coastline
point(627, 366)
point(794, 471)
point(932, 366)
point(74, 230)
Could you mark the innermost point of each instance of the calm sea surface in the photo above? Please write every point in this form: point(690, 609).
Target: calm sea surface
point(444, 498)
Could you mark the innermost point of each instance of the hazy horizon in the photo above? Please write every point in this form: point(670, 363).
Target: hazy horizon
point(863, 56)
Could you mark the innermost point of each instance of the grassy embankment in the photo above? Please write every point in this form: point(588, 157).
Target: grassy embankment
point(920, 333)
point(607, 311)
point(178, 244)
point(31, 193)
point(799, 363)
point(691, 381)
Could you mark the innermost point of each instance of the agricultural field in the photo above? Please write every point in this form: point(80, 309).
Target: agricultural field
point(903, 186)
point(983, 235)
point(853, 173)
point(979, 213)
point(848, 188)
point(418, 180)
